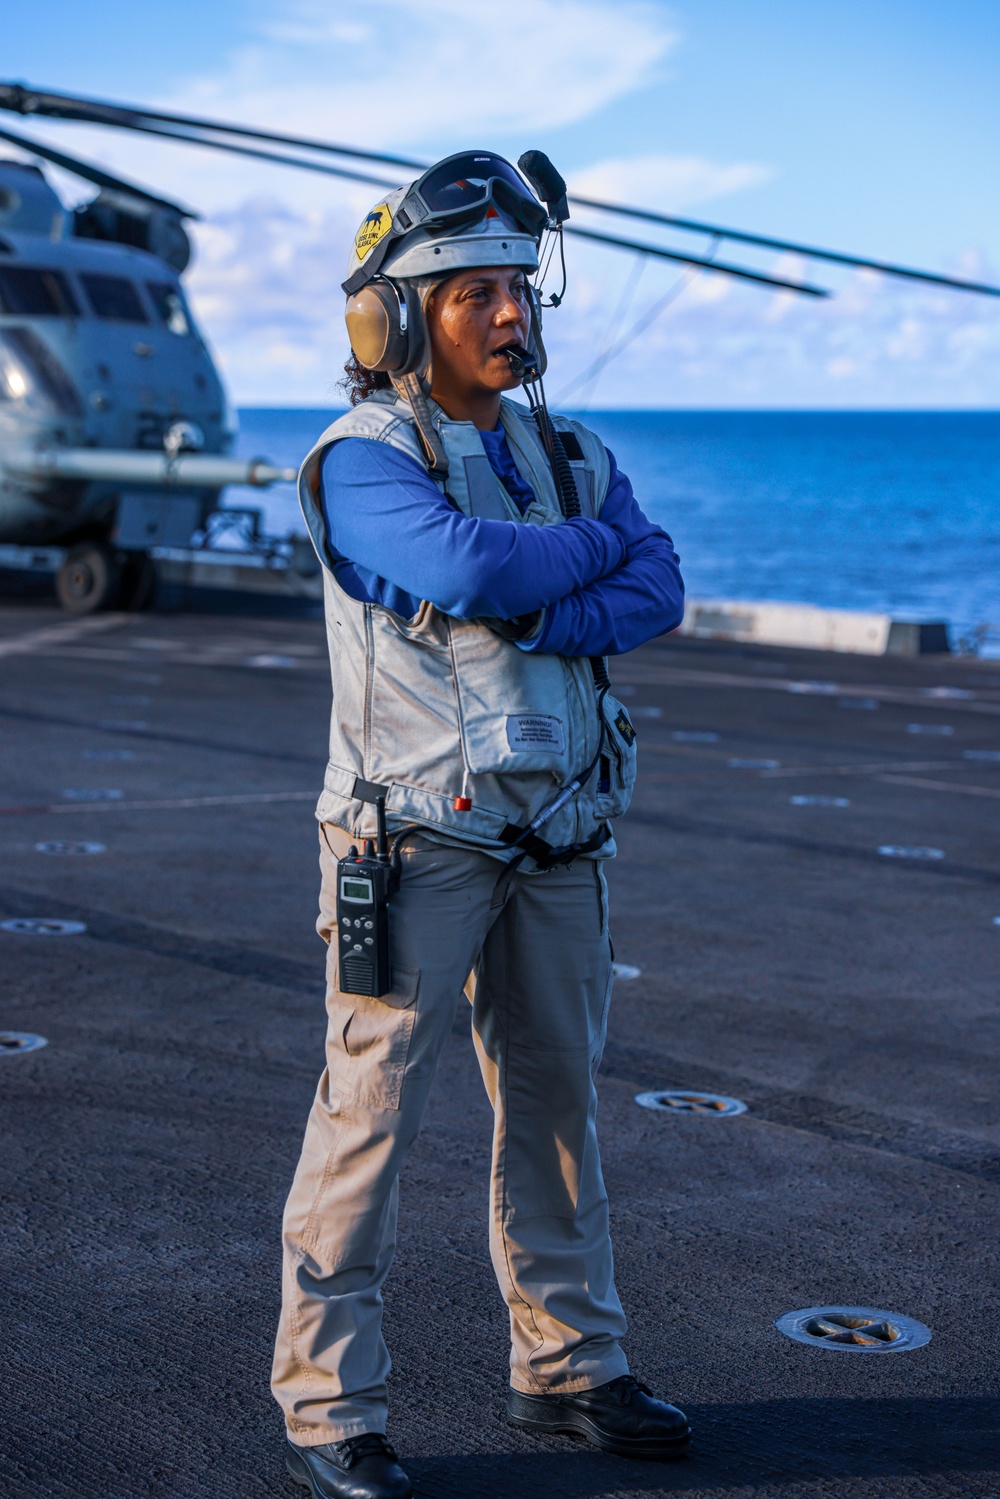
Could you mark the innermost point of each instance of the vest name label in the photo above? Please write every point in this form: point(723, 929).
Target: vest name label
point(535, 731)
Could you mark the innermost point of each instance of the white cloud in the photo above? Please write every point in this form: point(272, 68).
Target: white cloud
point(877, 342)
point(666, 183)
point(411, 77)
point(409, 71)
point(266, 288)
point(422, 76)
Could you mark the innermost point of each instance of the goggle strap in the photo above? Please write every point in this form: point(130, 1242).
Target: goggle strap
point(369, 270)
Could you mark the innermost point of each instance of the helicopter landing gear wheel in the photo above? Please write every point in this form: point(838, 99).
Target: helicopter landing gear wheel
point(89, 579)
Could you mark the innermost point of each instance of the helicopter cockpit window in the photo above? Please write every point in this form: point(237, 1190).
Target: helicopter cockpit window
point(113, 298)
point(169, 305)
point(32, 291)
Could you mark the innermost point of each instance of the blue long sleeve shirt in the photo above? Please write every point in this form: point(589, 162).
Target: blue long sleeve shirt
point(605, 585)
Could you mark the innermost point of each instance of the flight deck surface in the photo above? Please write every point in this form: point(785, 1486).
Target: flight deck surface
point(833, 964)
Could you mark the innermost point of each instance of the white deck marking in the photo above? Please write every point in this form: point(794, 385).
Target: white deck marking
point(681, 675)
point(53, 637)
point(164, 803)
point(940, 786)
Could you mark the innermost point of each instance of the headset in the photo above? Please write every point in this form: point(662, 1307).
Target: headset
point(386, 324)
point(386, 313)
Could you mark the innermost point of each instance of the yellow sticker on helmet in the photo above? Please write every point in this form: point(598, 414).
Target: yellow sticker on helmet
point(375, 227)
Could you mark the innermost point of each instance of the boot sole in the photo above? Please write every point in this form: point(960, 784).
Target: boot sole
point(298, 1470)
point(532, 1414)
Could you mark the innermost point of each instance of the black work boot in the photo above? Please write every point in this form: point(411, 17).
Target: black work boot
point(621, 1416)
point(362, 1467)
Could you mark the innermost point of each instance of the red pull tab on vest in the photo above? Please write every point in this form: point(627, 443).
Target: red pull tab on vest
point(462, 804)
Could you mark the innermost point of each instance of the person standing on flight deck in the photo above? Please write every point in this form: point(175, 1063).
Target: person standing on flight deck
point(467, 617)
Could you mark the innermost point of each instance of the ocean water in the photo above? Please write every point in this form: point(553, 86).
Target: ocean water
point(889, 511)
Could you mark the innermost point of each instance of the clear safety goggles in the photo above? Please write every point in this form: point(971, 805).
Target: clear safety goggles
point(462, 188)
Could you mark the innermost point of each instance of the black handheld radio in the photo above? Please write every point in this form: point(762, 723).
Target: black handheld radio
point(365, 883)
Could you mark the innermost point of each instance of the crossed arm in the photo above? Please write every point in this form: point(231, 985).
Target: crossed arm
point(605, 585)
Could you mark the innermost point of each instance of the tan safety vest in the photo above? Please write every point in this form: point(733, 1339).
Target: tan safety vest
point(436, 708)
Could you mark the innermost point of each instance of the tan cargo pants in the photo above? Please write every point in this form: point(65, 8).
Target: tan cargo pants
point(537, 946)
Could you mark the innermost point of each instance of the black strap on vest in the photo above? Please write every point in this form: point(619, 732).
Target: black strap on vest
point(529, 844)
point(368, 791)
point(533, 846)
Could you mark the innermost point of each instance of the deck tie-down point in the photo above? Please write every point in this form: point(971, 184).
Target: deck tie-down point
point(15, 1043)
point(42, 926)
point(674, 1101)
point(853, 1329)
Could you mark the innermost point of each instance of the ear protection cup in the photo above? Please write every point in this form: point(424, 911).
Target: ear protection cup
point(377, 327)
point(386, 325)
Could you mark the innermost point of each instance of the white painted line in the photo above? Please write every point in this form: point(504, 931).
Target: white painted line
point(188, 657)
point(876, 769)
point(694, 736)
point(981, 755)
point(57, 847)
point(944, 729)
point(909, 851)
point(688, 676)
point(738, 764)
point(987, 791)
point(819, 801)
point(53, 637)
point(93, 794)
point(254, 798)
point(625, 971)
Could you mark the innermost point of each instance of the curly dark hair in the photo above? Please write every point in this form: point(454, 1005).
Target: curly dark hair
point(359, 382)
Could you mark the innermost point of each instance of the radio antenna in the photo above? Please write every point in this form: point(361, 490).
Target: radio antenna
point(382, 847)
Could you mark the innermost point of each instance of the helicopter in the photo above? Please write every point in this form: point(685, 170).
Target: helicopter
point(115, 431)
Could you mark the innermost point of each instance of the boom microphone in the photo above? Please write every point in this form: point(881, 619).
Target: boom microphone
point(523, 364)
point(547, 182)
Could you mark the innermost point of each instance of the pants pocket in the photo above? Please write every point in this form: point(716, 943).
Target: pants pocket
point(368, 1056)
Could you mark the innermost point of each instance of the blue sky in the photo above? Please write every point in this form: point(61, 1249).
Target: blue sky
point(871, 128)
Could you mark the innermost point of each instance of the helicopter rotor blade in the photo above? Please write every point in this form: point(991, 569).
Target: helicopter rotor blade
point(97, 175)
point(21, 100)
point(709, 265)
point(835, 257)
point(279, 159)
point(191, 138)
